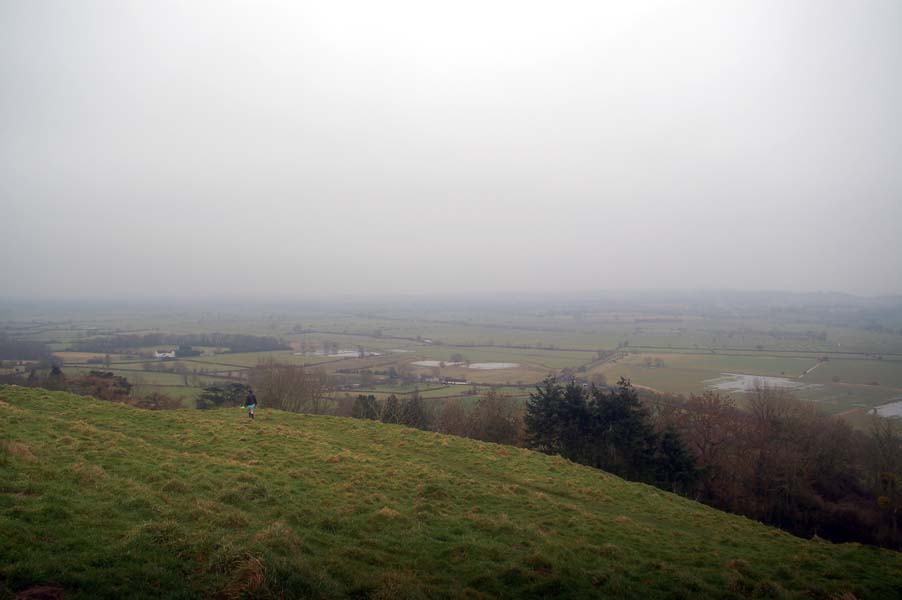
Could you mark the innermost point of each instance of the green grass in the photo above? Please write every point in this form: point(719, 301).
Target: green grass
point(108, 501)
point(885, 372)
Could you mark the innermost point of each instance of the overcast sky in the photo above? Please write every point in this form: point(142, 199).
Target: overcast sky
point(267, 148)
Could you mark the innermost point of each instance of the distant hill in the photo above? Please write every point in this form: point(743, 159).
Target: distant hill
point(101, 500)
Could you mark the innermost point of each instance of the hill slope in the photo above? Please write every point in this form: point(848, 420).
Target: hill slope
point(104, 500)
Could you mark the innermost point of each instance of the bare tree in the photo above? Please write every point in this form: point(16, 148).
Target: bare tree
point(886, 463)
point(290, 387)
point(452, 418)
point(495, 418)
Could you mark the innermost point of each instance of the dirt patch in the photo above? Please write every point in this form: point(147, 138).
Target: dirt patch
point(18, 450)
point(42, 592)
point(88, 474)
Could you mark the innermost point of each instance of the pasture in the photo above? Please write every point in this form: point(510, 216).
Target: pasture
point(101, 500)
point(671, 346)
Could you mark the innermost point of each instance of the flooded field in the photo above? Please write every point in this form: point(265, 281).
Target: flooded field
point(435, 363)
point(739, 382)
point(892, 409)
point(339, 353)
point(482, 366)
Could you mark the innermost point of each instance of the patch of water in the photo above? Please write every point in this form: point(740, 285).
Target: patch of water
point(740, 382)
point(435, 363)
point(893, 409)
point(339, 354)
point(487, 366)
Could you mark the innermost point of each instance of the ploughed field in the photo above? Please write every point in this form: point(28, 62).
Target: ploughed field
point(101, 500)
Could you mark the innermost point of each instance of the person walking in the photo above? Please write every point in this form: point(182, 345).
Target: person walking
point(250, 403)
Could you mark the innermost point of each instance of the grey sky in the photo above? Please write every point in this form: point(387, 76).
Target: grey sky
point(205, 148)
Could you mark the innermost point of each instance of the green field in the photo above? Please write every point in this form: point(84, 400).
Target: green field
point(102, 500)
point(697, 338)
point(887, 373)
point(687, 373)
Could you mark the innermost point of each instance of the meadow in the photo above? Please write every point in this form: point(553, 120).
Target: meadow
point(668, 344)
point(102, 500)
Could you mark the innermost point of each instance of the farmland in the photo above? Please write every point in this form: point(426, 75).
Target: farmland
point(850, 355)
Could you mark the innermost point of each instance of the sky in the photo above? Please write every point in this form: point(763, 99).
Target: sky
point(197, 149)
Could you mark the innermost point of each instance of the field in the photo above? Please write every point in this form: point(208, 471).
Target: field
point(850, 351)
point(102, 500)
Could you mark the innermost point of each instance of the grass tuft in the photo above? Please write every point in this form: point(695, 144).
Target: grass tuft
point(17, 450)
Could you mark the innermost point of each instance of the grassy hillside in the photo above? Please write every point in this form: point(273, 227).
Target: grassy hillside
point(106, 501)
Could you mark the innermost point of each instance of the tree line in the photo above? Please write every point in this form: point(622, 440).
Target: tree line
point(13, 349)
point(780, 460)
point(103, 385)
point(610, 429)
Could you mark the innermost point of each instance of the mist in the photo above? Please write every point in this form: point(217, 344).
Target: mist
point(199, 149)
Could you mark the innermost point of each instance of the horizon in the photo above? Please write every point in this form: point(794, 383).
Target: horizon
point(641, 298)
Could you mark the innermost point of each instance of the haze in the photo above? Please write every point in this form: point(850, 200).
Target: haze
point(213, 148)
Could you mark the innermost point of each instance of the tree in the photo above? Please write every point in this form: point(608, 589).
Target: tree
point(391, 412)
point(541, 418)
point(55, 380)
point(452, 419)
point(558, 420)
point(413, 412)
point(608, 430)
point(290, 387)
point(623, 440)
point(365, 407)
point(222, 395)
point(710, 425)
point(675, 468)
point(886, 466)
point(495, 418)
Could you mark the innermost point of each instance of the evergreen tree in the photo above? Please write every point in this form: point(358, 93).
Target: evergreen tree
point(557, 420)
point(55, 380)
point(675, 468)
point(623, 440)
point(217, 396)
point(542, 430)
point(574, 424)
point(413, 412)
point(365, 407)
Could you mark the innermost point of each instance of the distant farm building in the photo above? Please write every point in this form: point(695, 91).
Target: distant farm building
point(164, 353)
